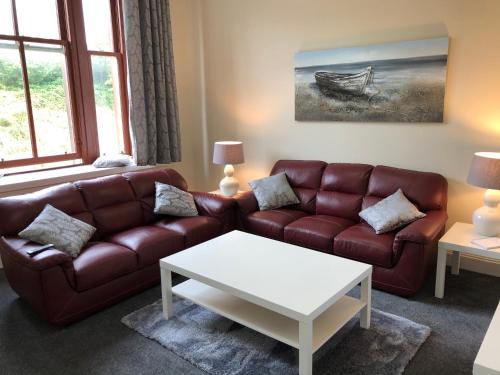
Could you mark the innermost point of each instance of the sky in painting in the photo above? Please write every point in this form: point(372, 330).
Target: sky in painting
point(399, 50)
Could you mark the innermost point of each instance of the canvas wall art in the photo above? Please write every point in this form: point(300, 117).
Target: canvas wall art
point(393, 82)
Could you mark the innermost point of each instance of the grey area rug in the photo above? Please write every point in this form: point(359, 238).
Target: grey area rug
point(220, 346)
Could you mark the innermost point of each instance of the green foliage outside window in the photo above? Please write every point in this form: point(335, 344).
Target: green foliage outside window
point(48, 96)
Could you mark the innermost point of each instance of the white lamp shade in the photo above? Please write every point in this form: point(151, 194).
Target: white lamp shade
point(228, 152)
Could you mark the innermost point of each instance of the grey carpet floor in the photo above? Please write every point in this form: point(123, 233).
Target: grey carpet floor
point(101, 344)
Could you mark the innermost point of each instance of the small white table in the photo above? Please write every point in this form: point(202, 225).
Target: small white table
point(458, 240)
point(487, 361)
point(218, 192)
point(292, 294)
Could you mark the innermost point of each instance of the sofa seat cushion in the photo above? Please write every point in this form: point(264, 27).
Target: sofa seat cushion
point(102, 262)
point(194, 230)
point(316, 232)
point(149, 243)
point(271, 223)
point(360, 242)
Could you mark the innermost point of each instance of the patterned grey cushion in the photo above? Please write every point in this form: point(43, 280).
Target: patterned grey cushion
point(109, 161)
point(173, 201)
point(273, 192)
point(63, 231)
point(391, 213)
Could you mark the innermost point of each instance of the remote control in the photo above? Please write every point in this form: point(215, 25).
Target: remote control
point(38, 250)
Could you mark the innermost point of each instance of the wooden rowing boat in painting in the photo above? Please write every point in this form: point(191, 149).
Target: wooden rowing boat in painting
point(331, 83)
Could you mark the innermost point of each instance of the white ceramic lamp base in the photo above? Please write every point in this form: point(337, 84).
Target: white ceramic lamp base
point(486, 219)
point(229, 185)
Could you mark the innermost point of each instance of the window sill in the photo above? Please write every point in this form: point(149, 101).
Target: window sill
point(27, 182)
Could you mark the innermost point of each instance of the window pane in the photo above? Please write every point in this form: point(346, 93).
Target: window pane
point(108, 106)
point(98, 27)
point(49, 99)
point(38, 18)
point(6, 25)
point(14, 128)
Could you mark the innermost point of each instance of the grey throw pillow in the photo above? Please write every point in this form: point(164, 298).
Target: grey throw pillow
point(173, 201)
point(391, 213)
point(63, 231)
point(273, 192)
point(109, 161)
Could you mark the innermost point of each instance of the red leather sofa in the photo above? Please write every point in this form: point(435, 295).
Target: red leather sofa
point(122, 257)
point(326, 219)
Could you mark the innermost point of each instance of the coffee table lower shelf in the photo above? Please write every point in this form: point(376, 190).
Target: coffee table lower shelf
point(268, 322)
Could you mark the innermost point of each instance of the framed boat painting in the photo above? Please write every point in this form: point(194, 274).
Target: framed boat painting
point(393, 82)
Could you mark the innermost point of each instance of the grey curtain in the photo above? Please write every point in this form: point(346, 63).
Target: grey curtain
point(153, 114)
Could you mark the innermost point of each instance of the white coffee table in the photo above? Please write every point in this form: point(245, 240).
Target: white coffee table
point(292, 294)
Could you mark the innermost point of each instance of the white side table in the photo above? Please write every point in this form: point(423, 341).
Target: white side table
point(218, 192)
point(458, 240)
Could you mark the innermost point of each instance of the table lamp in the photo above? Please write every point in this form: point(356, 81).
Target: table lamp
point(228, 153)
point(485, 172)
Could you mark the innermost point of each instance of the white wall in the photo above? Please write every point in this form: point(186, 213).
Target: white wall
point(247, 58)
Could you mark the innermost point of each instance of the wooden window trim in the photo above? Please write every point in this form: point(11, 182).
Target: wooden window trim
point(82, 106)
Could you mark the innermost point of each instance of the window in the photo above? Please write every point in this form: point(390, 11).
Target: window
point(62, 74)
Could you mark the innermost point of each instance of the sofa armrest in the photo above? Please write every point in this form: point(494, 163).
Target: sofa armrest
point(218, 207)
point(16, 248)
point(423, 231)
point(247, 203)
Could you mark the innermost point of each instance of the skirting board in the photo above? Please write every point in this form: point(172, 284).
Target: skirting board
point(467, 262)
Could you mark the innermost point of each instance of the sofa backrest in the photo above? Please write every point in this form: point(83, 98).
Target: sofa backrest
point(304, 177)
point(111, 204)
point(428, 191)
point(17, 212)
point(343, 187)
point(143, 185)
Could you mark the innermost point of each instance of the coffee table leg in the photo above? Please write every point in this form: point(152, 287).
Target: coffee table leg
point(305, 347)
point(166, 292)
point(440, 272)
point(366, 297)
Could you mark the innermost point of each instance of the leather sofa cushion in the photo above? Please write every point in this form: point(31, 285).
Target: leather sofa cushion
point(301, 173)
point(193, 230)
point(113, 212)
point(304, 177)
point(101, 262)
point(149, 243)
point(102, 192)
point(117, 218)
point(360, 243)
point(346, 178)
point(316, 232)
point(18, 212)
point(307, 198)
point(271, 223)
point(342, 189)
point(428, 191)
point(143, 185)
point(339, 204)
